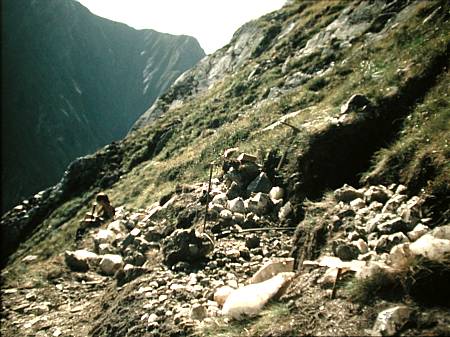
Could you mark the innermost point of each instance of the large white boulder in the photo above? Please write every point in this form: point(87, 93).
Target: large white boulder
point(249, 300)
point(222, 293)
point(431, 247)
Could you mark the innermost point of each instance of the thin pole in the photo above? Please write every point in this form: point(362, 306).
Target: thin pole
point(207, 194)
point(333, 292)
point(267, 229)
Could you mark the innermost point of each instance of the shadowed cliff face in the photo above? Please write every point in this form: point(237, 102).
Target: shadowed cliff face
point(72, 82)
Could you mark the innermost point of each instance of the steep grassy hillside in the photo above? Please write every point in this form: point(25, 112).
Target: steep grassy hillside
point(319, 58)
point(280, 90)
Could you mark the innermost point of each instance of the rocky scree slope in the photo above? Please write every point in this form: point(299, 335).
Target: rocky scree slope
point(73, 82)
point(326, 93)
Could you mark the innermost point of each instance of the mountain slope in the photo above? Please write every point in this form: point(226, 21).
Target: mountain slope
point(73, 82)
point(324, 94)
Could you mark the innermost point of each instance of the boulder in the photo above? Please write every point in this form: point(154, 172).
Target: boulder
point(371, 268)
point(394, 203)
point(276, 193)
point(347, 193)
point(329, 277)
point(135, 258)
point(285, 211)
point(246, 158)
point(252, 241)
point(80, 260)
point(234, 191)
point(236, 205)
point(392, 226)
point(111, 263)
point(184, 245)
point(128, 274)
point(379, 194)
point(356, 102)
point(442, 232)
point(361, 245)
point(247, 172)
point(273, 267)
point(222, 293)
point(411, 211)
point(345, 250)
point(417, 232)
point(431, 247)
point(386, 242)
point(401, 189)
point(260, 184)
point(259, 204)
point(238, 218)
point(103, 236)
point(400, 255)
point(249, 300)
point(226, 214)
point(116, 226)
point(106, 248)
point(391, 321)
point(357, 203)
point(220, 199)
point(378, 219)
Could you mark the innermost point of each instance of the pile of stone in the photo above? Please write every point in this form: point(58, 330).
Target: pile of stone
point(246, 197)
point(375, 220)
point(193, 265)
point(379, 229)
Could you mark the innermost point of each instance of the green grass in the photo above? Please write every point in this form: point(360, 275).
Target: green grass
point(257, 326)
point(421, 151)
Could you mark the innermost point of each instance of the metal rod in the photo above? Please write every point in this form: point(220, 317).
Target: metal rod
point(333, 292)
point(211, 165)
point(267, 229)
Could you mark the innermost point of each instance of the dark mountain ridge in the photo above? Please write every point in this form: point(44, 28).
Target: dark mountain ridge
point(73, 82)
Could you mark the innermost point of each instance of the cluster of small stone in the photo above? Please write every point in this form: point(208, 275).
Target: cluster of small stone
point(180, 290)
point(375, 219)
point(246, 197)
point(379, 229)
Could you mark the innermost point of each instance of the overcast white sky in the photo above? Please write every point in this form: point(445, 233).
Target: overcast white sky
point(211, 22)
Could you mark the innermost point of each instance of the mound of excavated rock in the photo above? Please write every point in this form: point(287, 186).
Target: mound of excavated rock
point(377, 229)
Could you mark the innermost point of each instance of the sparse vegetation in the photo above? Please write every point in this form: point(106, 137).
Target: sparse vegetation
point(250, 327)
point(413, 279)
